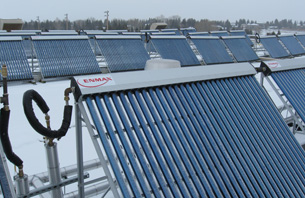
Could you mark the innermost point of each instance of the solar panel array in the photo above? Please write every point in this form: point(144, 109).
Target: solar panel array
point(65, 56)
point(283, 46)
point(26, 40)
point(241, 33)
point(215, 137)
point(274, 47)
point(12, 54)
point(301, 38)
point(175, 47)
point(211, 138)
point(123, 53)
point(240, 48)
point(212, 49)
point(292, 44)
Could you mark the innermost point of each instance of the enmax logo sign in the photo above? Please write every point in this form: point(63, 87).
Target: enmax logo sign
point(273, 64)
point(92, 82)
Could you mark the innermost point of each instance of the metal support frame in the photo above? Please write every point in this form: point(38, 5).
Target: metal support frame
point(65, 172)
point(105, 61)
point(262, 76)
point(284, 46)
point(81, 115)
point(6, 170)
point(229, 51)
point(32, 58)
point(195, 50)
point(38, 183)
point(289, 108)
point(95, 189)
point(79, 151)
point(95, 47)
point(51, 186)
point(150, 45)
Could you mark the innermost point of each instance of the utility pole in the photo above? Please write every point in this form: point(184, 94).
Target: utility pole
point(107, 19)
point(67, 21)
point(38, 23)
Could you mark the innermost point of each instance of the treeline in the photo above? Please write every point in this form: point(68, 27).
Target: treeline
point(134, 25)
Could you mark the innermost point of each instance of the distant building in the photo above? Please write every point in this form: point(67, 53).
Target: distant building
point(218, 27)
point(273, 27)
point(251, 26)
point(11, 24)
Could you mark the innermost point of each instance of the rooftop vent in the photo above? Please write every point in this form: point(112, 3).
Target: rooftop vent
point(158, 26)
point(11, 24)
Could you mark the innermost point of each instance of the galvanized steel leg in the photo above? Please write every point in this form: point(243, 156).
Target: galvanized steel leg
point(79, 150)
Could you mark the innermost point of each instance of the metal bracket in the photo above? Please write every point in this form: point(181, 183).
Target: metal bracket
point(52, 187)
point(289, 108)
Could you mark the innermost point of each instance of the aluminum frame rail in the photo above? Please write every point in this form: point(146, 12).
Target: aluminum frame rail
point(123, 53)
point(240, 48)
point(198, 34)
point(289, 77)
point(13, 55)
point(27, 31)
point(212, 49)
point(59, 33)
point(219, 33)
point(190, 132)
point(163, 34)
point(60, 56)
point(176, 31)
point(176, 48)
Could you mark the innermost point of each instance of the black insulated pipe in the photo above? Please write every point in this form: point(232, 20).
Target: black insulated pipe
point(4, 123)
point(7, 147)
point(30, 114)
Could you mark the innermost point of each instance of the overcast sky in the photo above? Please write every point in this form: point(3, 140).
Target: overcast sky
point(257, 10)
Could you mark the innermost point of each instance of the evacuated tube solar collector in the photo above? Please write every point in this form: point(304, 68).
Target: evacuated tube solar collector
point(188, 132)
